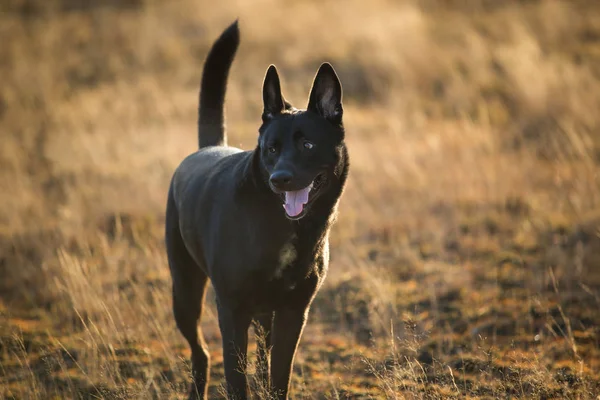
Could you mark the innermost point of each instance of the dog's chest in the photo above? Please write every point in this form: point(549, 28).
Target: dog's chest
point(286, 258)
point(292, 275)
point(294, 260)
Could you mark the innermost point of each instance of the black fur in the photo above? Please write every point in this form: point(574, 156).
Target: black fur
point(211, 121)
point(225, 222)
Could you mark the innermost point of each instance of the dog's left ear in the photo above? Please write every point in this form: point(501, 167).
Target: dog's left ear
point(273, 101)
point(326, 94)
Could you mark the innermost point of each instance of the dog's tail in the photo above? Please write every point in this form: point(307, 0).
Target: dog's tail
point(211, 115)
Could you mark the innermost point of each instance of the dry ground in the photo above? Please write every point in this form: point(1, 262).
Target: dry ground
point(466, 259)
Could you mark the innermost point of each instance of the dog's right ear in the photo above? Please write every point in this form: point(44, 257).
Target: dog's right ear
point(273, 101)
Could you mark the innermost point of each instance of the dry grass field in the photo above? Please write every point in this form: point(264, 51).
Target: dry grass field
point(466, 258)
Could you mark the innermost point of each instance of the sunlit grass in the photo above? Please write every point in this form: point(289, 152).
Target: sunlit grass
point(465, 258)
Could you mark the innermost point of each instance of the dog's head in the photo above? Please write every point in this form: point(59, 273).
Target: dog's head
point(300, 149)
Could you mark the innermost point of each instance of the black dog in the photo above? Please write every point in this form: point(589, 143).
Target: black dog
point(255, 222)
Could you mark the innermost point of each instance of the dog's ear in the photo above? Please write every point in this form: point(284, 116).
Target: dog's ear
point(326, 94)
point(273, 101)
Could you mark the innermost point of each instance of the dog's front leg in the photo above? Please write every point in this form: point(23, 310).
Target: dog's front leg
point(234, 326)
point(263, 327)
point(287, 330)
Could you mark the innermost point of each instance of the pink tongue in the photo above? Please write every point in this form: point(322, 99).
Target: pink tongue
point(295, 201)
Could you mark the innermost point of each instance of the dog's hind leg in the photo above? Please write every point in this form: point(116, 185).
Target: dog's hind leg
point(262, 330)
point(187, 307)
point(189, 288)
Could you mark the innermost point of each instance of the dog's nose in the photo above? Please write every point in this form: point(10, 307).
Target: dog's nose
point(280, 179)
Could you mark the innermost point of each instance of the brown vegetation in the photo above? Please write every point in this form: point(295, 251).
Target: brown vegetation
point(466, 259)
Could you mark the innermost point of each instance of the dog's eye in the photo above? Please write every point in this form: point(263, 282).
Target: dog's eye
point(272, 149)
point(308, 145)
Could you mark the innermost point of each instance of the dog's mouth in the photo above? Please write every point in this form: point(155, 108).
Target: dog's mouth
point(296, 202)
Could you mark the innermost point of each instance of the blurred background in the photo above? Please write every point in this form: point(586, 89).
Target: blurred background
point(466, 258)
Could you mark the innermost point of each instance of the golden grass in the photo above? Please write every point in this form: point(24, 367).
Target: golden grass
point(465, 259)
